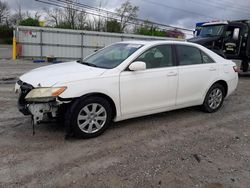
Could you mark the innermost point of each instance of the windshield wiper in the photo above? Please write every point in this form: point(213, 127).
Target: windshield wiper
point(86, 63)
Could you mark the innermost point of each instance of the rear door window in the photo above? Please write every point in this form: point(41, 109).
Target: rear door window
point(206, 58)
point(188, 55)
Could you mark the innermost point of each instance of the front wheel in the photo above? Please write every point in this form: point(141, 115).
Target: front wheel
point(214, 98)
point(89, 117)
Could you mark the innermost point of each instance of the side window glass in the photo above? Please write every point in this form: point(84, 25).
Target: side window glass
point(157, 57)
point(188, 55)
point(206, 58)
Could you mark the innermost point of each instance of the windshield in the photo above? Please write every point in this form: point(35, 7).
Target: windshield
point(111, 56)
point(211, 30)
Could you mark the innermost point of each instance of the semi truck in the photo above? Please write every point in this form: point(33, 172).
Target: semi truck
point(229, 39)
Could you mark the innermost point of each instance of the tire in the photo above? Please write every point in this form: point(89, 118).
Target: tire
point(214, 98)
point(244, 65)
point(89, 117)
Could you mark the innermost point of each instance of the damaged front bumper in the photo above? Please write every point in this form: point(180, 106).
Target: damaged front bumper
point(37, 108)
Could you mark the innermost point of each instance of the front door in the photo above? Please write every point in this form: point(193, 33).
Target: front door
point(233, 41)
point(153, 88)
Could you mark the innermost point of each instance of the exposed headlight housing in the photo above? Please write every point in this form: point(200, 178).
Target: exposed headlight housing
point(44, 94)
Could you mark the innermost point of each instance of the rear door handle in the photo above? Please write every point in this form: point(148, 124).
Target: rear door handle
point(172, 74)
point(212, 69)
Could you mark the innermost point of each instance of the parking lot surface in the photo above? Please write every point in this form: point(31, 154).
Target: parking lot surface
point(182, 148)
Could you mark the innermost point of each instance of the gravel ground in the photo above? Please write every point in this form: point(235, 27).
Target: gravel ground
point(182, 148)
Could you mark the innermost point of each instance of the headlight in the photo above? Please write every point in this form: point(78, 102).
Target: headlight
point(44, 93)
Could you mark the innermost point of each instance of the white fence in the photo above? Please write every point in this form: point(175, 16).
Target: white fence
point(40, 42)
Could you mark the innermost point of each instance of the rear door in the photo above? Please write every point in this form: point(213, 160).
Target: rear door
point(196, 73)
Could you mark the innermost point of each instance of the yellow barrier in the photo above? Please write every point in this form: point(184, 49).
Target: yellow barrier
point(14, 49)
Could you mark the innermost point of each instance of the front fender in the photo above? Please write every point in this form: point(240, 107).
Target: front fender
point(108, 86)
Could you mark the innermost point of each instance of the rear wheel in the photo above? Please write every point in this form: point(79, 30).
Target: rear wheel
point(214, 98)
point(89, 116)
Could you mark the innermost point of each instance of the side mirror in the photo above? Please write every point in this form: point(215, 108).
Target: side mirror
point(236, 33)
point(137, 66)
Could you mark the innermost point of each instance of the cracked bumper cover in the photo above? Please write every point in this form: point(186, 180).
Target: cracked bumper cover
point(35, 108)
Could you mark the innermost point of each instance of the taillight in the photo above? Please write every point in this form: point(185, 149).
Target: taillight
point(236, 69)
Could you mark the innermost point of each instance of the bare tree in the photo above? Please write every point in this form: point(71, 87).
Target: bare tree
point(127, 13)
point(4, 12)
point(18, 15)
point(71, 13)
point(99, 23)
point(54, 16)
point(37, 15)
point(81, 20)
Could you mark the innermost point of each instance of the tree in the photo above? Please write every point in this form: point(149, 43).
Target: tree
point(99, 23)
point(127, 13)
point(113, 26)
point(29, 22)
point(64, 25)
point(54, 16)
point(81, 20)
point(6, 34)
point(175, 33)
point(71, 13)
point(148, 28)
point(4, 13)
point(17, 16)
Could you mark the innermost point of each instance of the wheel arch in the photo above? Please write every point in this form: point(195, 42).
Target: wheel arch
point(108, 98)
point(224, 84)
point(221, 82)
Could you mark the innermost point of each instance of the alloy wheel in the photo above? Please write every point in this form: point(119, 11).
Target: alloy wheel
point(215, 98)
point(92, 118)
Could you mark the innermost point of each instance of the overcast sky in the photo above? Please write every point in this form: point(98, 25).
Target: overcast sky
point(182, 13)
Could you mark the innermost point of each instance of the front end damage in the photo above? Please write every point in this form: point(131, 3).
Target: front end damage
point(38, 110)
point(39, 102)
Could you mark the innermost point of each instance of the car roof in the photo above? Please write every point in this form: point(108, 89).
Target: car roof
point(155, 42)
point(142, 42)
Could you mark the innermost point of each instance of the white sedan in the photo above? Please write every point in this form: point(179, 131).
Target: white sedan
point(126, 80)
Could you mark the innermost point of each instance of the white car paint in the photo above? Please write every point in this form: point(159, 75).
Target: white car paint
point(48, 76)
point(138, 93)
point(147, 85)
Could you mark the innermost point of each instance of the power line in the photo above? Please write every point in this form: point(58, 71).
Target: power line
point(235, 5)
point(178, 9)
point(219, 5)
point(117, 15)
point(51, 2)
point(63, 3)
point(85, 6)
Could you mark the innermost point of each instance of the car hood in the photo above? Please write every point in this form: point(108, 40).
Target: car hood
point(50, 75)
